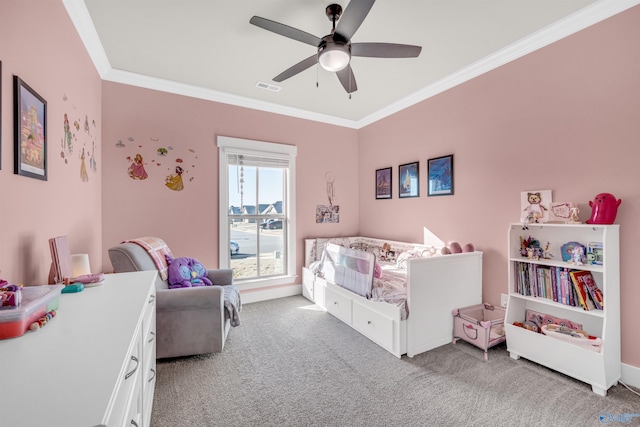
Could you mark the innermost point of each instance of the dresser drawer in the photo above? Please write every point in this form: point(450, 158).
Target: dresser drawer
point(129, 385)
point(149, 312)
point(135, 407)
point(373, 325)
point(337, 304)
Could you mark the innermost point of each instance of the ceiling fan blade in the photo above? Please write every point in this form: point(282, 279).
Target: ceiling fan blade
point(347, 79)
point(385, 50)
point(298, 68)
point(285, 30)
point(353, 16)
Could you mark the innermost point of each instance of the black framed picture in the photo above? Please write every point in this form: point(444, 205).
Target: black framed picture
point(30, 131)
point(440, 180)
point(383, 183)
point(409, 180)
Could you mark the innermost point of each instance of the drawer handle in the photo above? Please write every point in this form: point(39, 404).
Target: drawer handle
point(128, 375)
point(152, 298)
point(152, 336)
point(133, 423)
point(153, 371)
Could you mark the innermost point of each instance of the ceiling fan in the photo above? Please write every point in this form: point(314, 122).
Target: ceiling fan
point(334, 51)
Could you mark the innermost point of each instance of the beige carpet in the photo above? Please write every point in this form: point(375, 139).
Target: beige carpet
point(289, 364)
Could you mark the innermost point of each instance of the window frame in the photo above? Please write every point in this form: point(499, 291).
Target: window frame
point(229, 146)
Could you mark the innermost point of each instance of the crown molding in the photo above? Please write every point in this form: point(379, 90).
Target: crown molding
point(590, 15)
point(139, 80)
point(586, 17)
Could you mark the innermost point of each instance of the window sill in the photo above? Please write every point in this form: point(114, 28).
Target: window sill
point(267, 282)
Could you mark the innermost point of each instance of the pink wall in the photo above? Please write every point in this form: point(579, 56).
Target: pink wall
point(564, 118)
point(188, 220)
point(40, 45)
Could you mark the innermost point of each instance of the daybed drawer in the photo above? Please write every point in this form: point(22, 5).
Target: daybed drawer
point(338, 305)
point(373, 325)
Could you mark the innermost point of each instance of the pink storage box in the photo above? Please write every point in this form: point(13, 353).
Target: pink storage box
point(36, 301)
point(481, 325)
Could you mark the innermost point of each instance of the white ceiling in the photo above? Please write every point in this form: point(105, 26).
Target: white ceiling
point(208, 49)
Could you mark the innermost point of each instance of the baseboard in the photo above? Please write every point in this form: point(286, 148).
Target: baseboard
point(264, 294)
point(630, 375)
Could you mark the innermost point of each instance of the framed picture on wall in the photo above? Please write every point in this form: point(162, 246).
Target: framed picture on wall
point(30, 131)
point(440, 176)
point(383, 183)
point(408, 177)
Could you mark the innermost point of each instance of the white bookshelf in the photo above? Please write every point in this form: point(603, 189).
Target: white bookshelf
point(599, 369)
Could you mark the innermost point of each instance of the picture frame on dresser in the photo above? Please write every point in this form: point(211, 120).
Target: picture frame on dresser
point(30, 131)
point(440, 176)
point(384, 181)
point(408, 180)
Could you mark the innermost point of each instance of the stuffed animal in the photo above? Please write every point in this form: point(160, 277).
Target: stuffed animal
point(455, 248)
point(186, 272)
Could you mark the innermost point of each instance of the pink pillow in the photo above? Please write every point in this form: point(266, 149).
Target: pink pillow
point(377, 270)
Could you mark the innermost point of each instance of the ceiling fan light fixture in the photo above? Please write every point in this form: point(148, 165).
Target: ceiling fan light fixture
point(334, 56)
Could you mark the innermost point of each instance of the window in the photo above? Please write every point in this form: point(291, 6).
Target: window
point(257, 206)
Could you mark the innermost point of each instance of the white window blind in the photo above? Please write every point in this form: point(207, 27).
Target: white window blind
point(257, 159)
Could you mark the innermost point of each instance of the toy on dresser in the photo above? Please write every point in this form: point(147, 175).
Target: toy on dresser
point(42, 321)
point(35, 304)
point(10, 295)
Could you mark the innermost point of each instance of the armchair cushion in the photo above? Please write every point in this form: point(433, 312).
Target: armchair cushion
point(179, 299)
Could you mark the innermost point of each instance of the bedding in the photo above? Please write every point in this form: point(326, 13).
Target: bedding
point(389, 281)
point(391, 287)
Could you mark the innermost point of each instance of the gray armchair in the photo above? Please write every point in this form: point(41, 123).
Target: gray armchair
point(189, 321)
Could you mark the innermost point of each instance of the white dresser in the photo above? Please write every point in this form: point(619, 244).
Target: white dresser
point(92, 365)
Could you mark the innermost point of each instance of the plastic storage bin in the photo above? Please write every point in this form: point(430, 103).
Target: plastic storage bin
point(481, 325)
point(36, 301)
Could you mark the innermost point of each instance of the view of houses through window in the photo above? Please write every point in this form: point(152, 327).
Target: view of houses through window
point(256, 218)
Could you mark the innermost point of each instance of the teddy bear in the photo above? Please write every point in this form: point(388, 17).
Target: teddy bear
point(186, 272)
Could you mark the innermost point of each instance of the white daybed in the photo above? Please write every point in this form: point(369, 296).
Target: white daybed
point(435, 286)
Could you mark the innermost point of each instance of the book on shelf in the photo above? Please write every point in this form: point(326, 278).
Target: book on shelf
point(582, 292)
point(576, 288)
point(567, 288)
point(585, 281)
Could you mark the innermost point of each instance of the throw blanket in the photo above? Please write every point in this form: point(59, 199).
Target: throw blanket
point(157, 250)
point(232, 304)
